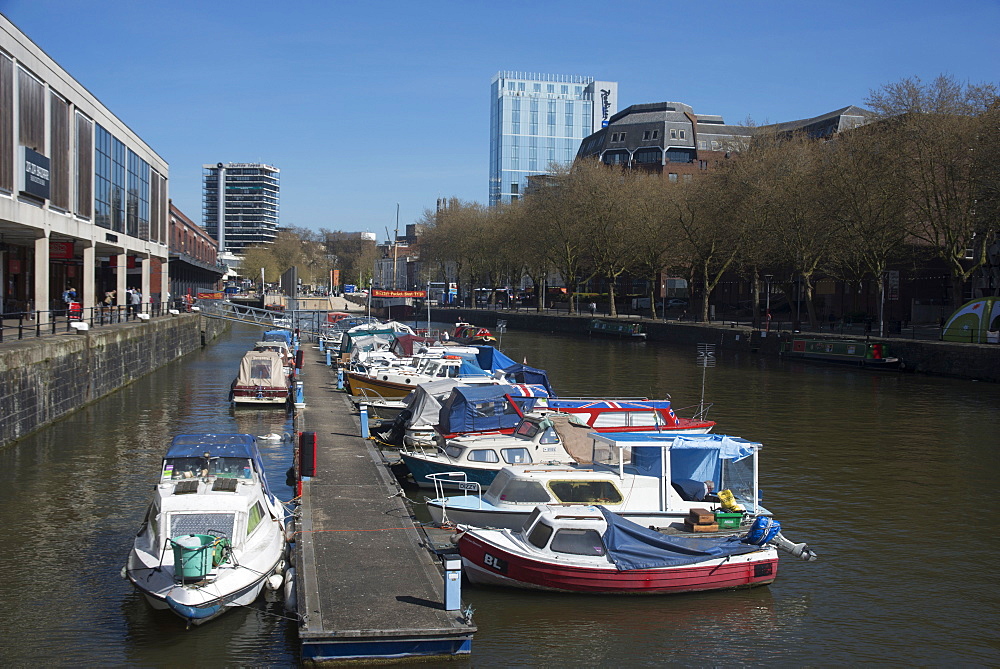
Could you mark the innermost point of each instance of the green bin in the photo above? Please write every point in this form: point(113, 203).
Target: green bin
point(728, 521)
point(192, 556)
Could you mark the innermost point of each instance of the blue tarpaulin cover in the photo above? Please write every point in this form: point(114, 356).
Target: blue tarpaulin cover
point(471, 369)
point(491, 359)
point(219, 446)
point(481, 409)
point(279, 335)
point(519, 373)
point(631, 546)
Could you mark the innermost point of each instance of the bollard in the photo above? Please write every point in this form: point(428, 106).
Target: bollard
point(322, 346)
point(329, 360)
point(452, 583)
point(340, 379)
point(364, 421)
point(300, 400)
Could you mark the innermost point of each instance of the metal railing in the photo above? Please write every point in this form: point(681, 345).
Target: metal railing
point(32, 324)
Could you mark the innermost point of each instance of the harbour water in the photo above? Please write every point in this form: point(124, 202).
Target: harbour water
point(888, 476)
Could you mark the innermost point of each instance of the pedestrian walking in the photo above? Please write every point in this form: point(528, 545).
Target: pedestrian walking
point(135, 302)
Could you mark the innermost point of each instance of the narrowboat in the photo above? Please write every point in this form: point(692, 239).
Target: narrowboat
point(615, 329)
point(874, 355)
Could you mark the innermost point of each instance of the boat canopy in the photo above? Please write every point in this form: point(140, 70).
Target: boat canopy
point(407, 345)
point(279, 335)
point(637, 405)
point(630, 546)
point(695, 457)
point(262, 368)
point(521, 373)
point(424, 402)
point(219, 446)
point(347, 343)
point(483, 408)
point(491, 359)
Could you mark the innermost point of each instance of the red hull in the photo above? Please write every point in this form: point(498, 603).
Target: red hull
point(494, 565)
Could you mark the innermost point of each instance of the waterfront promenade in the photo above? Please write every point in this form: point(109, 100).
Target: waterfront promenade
point(367, 588)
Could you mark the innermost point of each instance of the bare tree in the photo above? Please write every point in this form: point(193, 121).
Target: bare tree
point(935, 129)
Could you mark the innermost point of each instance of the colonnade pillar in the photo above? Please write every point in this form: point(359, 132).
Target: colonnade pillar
point(89, 295)
point(121, 271)
point(43, 301)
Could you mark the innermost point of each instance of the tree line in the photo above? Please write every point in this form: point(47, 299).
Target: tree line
point(314, 254)
point(918, 182)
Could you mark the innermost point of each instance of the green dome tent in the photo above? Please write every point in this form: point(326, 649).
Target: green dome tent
point(975, 322)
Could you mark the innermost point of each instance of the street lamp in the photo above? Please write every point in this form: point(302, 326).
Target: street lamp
point(767, 308)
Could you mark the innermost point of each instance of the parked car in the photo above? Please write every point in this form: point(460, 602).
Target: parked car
point(675, 303)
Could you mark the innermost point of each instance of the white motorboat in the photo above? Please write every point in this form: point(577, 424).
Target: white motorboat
point(214, 533)
point(653, 479)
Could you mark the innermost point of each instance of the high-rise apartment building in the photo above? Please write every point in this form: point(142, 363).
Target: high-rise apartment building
point(540, 119)
point(240, 204)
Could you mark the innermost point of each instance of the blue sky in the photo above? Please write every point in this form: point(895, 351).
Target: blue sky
point(363, 105)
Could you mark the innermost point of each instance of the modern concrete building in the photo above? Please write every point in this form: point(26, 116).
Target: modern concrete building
point(240, 204)
point(540, 119)
point(83, 200)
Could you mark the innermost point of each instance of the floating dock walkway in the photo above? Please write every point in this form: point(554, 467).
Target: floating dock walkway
point(366, 588)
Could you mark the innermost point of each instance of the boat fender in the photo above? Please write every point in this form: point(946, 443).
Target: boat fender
point(274, 582)
point(290, 601)
point(454, 538)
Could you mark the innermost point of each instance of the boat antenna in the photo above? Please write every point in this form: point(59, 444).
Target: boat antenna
point(705, 359)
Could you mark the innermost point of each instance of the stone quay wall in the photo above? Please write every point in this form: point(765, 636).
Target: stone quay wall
point(980, 362)
point(44, 379)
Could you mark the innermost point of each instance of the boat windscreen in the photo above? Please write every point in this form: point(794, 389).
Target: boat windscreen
point(216, 524)
point(187, 468)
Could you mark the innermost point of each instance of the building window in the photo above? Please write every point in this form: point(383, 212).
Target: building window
point(648, 156)
point(702, 164)
point(615, 158)
point(683, 134)
point(564, 90)
point(536, 88)
point(520, 86)
point(550, 88)
point(672, 177)
point(702, 144)
point(656, 134)
point(513, 189)
point(510, 85)
point(645, 135)
point(687, 177)
point(680, 155)
point(102, 177)
point(715, 146)
point(673, 133)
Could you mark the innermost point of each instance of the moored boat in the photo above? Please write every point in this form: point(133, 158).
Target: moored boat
point(650, 478)
point(618, 329)
point(874, 355)
point(262, 379)
point(591, 550)
point(213, 535)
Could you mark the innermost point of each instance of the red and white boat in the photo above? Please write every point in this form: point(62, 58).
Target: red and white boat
point(589, 549)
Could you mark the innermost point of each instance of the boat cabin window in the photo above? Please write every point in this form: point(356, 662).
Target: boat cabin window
point(540, 535)
point(524, 492)
point(454, 451)
point(549, 436)
point(578, 542)
point(531, 519)
point(260, 369)
point(516, 456)
point(586, 492)
point(527, 429)
point(483, 455)
point(216, 524)
point(256, 514)
point(176, 469)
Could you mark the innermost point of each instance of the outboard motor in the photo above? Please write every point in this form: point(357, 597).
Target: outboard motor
point(768, 531)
